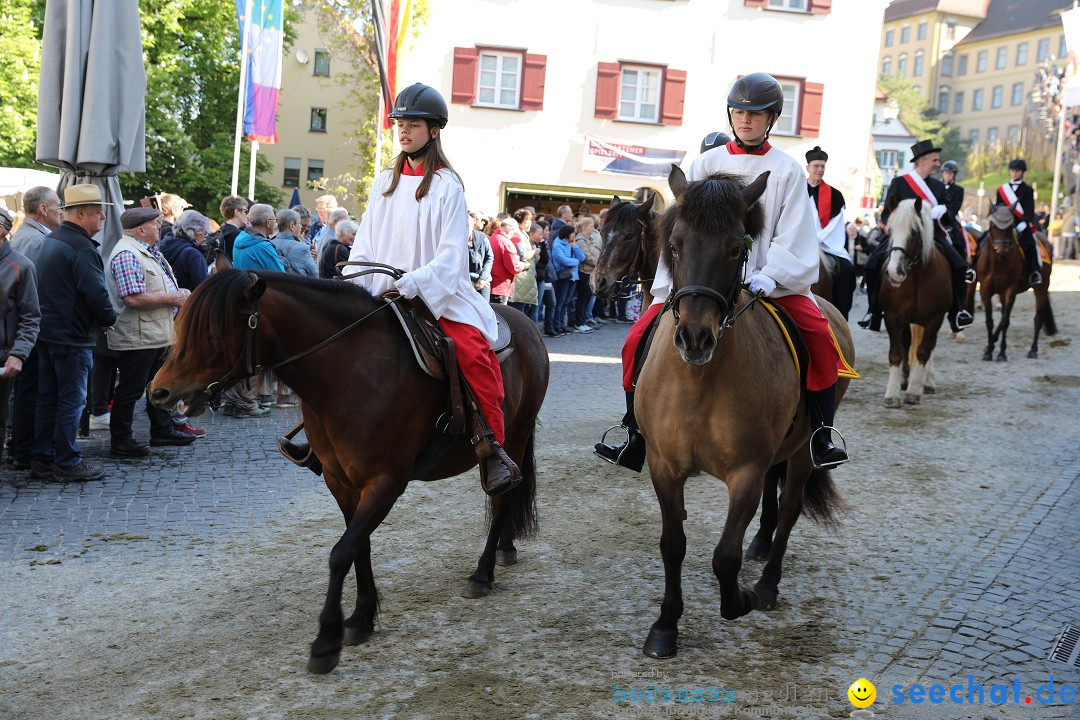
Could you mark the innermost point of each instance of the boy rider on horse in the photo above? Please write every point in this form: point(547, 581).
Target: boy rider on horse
point(831, 231)
point(918, 183)
point(1019, 197)
point(416, 221)
point(783, 262)
point(954, 201)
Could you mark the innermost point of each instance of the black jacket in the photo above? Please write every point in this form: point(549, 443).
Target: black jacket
point(954, 199)
point(1025, 196)
point(837, 199)
point(900, 189)
point(71, 288)
point(335, 252)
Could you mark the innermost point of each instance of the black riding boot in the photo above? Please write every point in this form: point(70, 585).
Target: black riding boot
point(959, 317)
point(630, 454)
point(822, 411)
point(1032, 263)
point(872, 319)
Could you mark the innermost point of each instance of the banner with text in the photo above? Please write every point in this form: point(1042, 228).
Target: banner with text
point(615, 158)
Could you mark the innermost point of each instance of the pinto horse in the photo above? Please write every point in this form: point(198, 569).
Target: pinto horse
point(1000, 271)
point(916, 293)
point(718, 392)
point(369, 411)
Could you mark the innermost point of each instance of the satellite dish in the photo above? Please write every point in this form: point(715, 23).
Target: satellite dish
point(302, 56)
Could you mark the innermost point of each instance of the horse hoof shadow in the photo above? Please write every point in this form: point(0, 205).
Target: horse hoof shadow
point(322, 664)
point(506, 557)
point(893, 402)
point(661, 644)
point(767, 596)
point(356, 635)
point(474, 589)
point(910, 399)
point(758, 549)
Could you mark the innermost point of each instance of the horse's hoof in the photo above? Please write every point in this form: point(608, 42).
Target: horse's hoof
point(1033, 354)
point(759, 549)
point(475, 589)
point(893, 402)
point(661, 644)
point(506, 557)
point(988, 356)
point(356, 635)
point(322, 664)
point(1002, 358)
point(910, 399)
point(767, 596)
point(929, 390)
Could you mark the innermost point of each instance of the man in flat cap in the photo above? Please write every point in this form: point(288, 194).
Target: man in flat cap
point(145, 296)
point(74, 305)
point(831, 231)
point(918, 183)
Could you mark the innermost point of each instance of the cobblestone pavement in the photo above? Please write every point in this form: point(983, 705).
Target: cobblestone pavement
point(946, 570)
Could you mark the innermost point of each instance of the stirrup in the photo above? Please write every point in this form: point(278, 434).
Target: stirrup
point(842, 446)
point(969, 276)
point(603, 441)
point(1035, 278)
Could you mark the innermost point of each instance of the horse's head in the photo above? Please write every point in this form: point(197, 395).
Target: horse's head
point(628, 241)
point(706, 238)
point(1002, 233)
point(911, 233)
point(214, 330)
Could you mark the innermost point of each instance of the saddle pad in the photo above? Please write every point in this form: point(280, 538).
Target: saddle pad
point(799, 354)
point(505, 336)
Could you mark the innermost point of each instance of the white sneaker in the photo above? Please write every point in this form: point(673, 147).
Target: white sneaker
point(100, 422)
point(584, 329)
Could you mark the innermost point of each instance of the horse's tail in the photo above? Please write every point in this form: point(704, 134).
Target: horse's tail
point(821, 501)
point(1047, 313)
point(521, 520)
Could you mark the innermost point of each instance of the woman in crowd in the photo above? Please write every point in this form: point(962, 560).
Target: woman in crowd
point(588, 240)
point(507, 264)
point(526, 290)
point(293, 251)
point(338, 249)
point(567, 258)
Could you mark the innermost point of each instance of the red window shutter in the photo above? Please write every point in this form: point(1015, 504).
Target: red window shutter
point(532, 82)
point(810, 113)
point(464, 87)
point(607, 90)
point(755, 3)
point(671, 108)
point(820, 7)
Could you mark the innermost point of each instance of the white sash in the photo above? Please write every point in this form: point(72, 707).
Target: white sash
point(921, 189)
point(1014, 205)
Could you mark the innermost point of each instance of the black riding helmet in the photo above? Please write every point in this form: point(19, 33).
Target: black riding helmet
point(1018, 164)
point(714, 139)
point(420, 101)
point(756, 91)
point(949, 166)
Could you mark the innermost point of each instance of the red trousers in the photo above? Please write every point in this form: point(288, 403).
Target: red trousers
point(481, 370)
point(630, 345)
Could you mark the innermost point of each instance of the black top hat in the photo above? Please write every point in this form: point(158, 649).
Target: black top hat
point(816, 154)
point(923, 147)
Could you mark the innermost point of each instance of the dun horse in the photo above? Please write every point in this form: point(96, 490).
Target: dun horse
point(1000, 270)
point(718, 393)
point(369, 410)
point(915, 296)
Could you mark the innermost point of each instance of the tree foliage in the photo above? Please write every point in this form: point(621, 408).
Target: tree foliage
point(922, 120)
point(20, 48)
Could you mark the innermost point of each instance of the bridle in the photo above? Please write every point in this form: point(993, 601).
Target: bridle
point(641, 257)
point(726, 303)
point(246, 365)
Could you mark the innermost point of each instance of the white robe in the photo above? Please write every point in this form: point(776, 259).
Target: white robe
point(833, 237)
point(427, 239)
point(787, 248)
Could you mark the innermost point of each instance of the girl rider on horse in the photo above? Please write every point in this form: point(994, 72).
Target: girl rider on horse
point(783, 262)
point(415, 221)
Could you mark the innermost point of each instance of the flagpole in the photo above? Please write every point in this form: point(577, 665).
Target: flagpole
point(251, 169)
point(241, 100)
point(379, 136)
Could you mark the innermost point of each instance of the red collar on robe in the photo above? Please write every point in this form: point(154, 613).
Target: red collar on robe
point(824, 203)
point(734, 149)
point(407, 169)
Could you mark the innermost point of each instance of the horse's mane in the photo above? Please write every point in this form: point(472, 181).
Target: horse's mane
point(904, 222)
point(623, 213)
point(712, 206)
point(218, 304)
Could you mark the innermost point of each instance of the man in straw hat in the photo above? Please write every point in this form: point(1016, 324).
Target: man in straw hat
point(74, 305)
point(918, 183)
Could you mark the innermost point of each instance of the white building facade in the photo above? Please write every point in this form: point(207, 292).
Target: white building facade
point(544, 116)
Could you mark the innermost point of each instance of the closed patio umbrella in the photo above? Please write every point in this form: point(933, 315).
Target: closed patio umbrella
point(91, 101)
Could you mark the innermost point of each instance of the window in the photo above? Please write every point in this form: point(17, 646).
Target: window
point(995, 96)
point(1013, 133)
point(943, 100)
point(500, 80)
point(797, 5)
point(888, 37)
point(901, 65)
point(916, 71)
point(292, 172)
point(977, 100)
point(318, 120)
point(886, 159)
point(950, 30)
point(639, 94)
point(905, 34)
point(973, 138)
point(958, 102)
point(1002, 58)
point(1017, 93)
point(980, 61)
point(1063, 49)
point(314, 171)
point(961, 65)
point(1021, 53)
point(886, 66)
point(920, 33)
point(785, 125)
point(322, 63)
point(992, 136)
point(1044, 50)
point(947, 64)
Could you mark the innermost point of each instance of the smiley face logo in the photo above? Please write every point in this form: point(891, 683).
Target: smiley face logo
point(862, 693)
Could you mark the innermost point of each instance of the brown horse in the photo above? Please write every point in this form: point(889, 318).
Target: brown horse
point(369, 410)
point(916, 293)
point(718, 393)
point(630, 252)
point(1000, 271)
